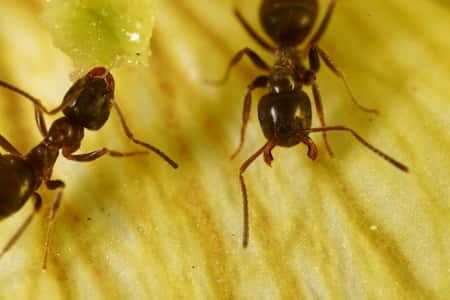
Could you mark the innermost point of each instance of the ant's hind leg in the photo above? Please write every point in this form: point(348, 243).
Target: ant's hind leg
point(52, 185)
point(332, 66)
point(252, 32)
point(24, 226)
point(259, 82)
point(255, 59)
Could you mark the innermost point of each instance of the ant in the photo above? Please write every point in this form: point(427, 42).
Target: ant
point(284, 113)
point(86, 105)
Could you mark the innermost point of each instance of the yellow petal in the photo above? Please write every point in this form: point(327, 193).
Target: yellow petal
point(349, 227)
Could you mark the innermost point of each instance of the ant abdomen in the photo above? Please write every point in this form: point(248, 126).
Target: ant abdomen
point(17, 181)
point(288, 22)
point(284, 116)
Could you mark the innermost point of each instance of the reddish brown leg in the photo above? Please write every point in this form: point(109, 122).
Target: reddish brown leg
point(24, 226)
point(332, 66)
point(266, 148)
point(259, 82)
point(40, 121)
point(130, 136)
point(7, 146)
point(323, 25)
point(252, 32)
point(90, 156)
point(319, 109)
point(52, 185)
point(372, 148)
point(310, 78)
point(254, 58)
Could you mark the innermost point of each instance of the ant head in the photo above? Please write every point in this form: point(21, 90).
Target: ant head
point(284, 116)
point(288, 22)
point(91, 98)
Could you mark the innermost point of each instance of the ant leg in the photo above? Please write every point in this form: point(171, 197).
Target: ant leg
point(323, 25)
point(52, 185)
point(255, 59)
point(130, 136)
point(266, 148)
point(90, 156)
point(7, 146)
point(24, 226)
point(40, 121)
point(310, 78)
point(259, 82)
point(372, 148)
point(252, 32)
point(332, 66)
point(319, 109)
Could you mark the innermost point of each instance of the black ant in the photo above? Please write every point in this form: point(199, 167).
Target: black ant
point(284, 113)
point(86, 105)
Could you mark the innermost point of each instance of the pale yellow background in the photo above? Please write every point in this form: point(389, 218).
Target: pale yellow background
point(352, 227)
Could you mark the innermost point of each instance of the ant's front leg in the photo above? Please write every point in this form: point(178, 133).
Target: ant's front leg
point(310, 78)
point(252, 55)
point(52, 185)
point(259, 82)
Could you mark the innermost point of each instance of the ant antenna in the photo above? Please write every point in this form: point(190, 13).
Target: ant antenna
point(372, 148)
point(37, 103)
point(268, 158)
point(130, 135)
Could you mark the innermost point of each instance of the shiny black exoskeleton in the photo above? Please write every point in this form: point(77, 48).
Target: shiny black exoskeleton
point(284, 112)
point(86, 105)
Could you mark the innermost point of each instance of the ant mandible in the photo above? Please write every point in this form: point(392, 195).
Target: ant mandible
point(284, 113)
point(86, 105)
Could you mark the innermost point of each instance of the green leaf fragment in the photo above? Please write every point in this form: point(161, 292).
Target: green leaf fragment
point(101, 32)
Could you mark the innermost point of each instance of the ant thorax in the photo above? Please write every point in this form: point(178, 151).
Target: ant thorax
point(284, 76)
